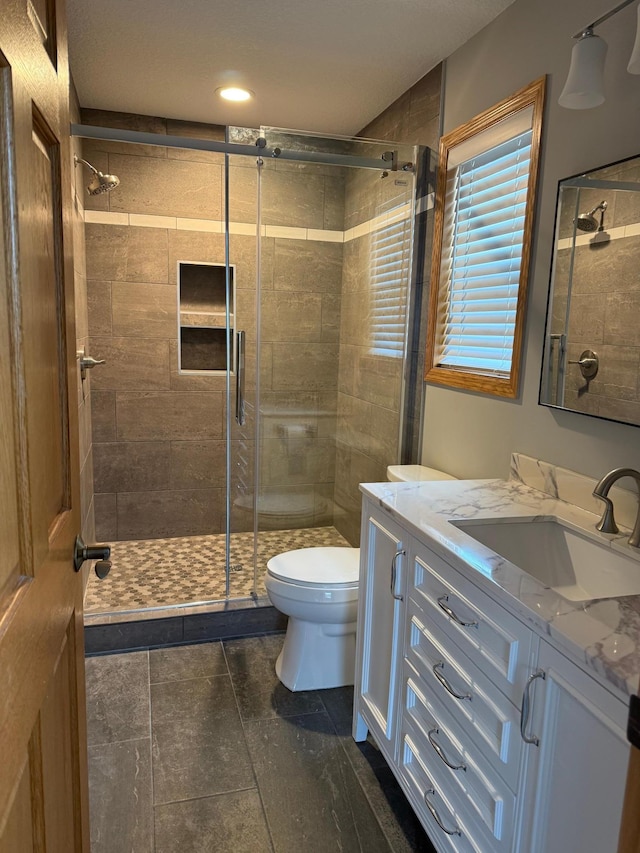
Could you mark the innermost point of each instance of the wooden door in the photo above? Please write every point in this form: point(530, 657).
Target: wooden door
point(43, 790)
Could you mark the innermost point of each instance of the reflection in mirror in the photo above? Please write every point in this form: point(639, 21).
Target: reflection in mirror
point(592, 347)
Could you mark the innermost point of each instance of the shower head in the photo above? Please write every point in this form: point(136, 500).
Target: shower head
point(588, 222)
point(98, 183)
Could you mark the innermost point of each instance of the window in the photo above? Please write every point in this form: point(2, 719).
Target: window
point(484, 215)
point(390, 264)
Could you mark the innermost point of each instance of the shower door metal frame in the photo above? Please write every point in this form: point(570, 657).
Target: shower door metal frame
point(86, 131)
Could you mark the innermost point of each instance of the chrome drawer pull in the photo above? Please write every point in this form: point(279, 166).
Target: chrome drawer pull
point(526, 707)
point(436, 816)
point(440, 751)
point(452, 615)
point(445, 683)
point(393, 575)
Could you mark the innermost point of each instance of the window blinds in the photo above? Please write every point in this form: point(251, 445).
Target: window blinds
point(481, 257)
point(389, 264)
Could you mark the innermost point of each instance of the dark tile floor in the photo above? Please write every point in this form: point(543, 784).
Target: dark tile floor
point(197, 749)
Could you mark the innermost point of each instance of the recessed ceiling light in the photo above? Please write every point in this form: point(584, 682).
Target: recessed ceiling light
point(234, 93)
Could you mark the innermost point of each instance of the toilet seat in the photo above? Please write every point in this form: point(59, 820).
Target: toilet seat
point(325, 567)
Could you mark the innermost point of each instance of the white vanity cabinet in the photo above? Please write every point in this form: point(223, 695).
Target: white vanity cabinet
point(501, 743)
point(380, 629)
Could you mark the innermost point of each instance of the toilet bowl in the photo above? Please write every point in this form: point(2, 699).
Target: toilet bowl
point(317, 588)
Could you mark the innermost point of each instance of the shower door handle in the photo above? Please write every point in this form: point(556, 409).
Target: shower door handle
point(240, 379)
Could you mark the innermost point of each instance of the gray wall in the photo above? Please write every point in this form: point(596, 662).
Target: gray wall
point(472, 435)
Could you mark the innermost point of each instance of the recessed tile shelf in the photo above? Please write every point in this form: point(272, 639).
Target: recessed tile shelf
point(204, 319)
point(202, 313)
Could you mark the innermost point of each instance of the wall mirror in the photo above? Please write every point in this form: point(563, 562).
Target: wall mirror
point(591, 359)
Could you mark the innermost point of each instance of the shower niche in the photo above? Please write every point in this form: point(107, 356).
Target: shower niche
point(202, 317)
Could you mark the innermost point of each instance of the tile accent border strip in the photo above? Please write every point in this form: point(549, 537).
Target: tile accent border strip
point(247, 229)
point(605, 236)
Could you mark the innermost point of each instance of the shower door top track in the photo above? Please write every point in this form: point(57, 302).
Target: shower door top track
point(118, 135)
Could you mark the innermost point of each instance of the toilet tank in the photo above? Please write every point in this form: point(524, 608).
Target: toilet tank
point(415, 473)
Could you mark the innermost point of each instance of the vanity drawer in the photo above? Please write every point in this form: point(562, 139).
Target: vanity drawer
point(462, 768)
point(492, 637)
point(445, 821)
point(488, 719)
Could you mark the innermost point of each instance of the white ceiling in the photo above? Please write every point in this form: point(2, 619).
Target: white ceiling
point(323, 65)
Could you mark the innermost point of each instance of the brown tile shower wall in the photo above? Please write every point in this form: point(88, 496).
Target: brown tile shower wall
point(158, 435)
point(369, 389)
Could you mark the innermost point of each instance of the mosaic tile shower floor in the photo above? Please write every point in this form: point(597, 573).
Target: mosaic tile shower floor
point(184, 570)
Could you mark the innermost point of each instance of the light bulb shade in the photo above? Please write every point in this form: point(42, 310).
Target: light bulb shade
point(634, 63)
point(585, 84)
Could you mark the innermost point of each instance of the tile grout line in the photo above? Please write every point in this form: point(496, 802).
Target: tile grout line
point(357, 779)
point(115, 742)
point(244, 735)
point(153, 810)
point(357, 775)
point(366, 796)
point(205, 797)
point(192, 677)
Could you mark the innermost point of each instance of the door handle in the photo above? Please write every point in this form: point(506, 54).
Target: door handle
point(82, 552)
point(240, 418)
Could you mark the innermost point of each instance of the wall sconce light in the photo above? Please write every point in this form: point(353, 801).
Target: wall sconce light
point(585, 83)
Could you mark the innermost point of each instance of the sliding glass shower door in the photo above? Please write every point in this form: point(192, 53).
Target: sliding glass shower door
point(319, 329)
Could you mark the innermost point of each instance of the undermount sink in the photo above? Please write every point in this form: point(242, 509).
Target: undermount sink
point(573, 565)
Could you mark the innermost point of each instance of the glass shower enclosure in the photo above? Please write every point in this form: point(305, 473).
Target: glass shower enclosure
point(293, 311)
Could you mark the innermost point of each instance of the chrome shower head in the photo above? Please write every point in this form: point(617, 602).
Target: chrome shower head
point(587, 221)
point(99, 183)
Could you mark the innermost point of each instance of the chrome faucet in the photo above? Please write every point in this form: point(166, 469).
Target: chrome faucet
point(607, 523)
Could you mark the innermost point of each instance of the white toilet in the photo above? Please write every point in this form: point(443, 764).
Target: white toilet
point(317, 588)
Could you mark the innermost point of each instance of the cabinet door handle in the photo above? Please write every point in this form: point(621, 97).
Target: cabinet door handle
point(436, 816)
point(440, 752)
point(393, 575)
point(452, 615)
point(436, 671)
point(526, 708)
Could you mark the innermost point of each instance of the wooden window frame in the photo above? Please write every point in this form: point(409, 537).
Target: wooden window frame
point(531, 96)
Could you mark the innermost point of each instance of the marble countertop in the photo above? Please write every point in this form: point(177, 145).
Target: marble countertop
point(602, 635)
